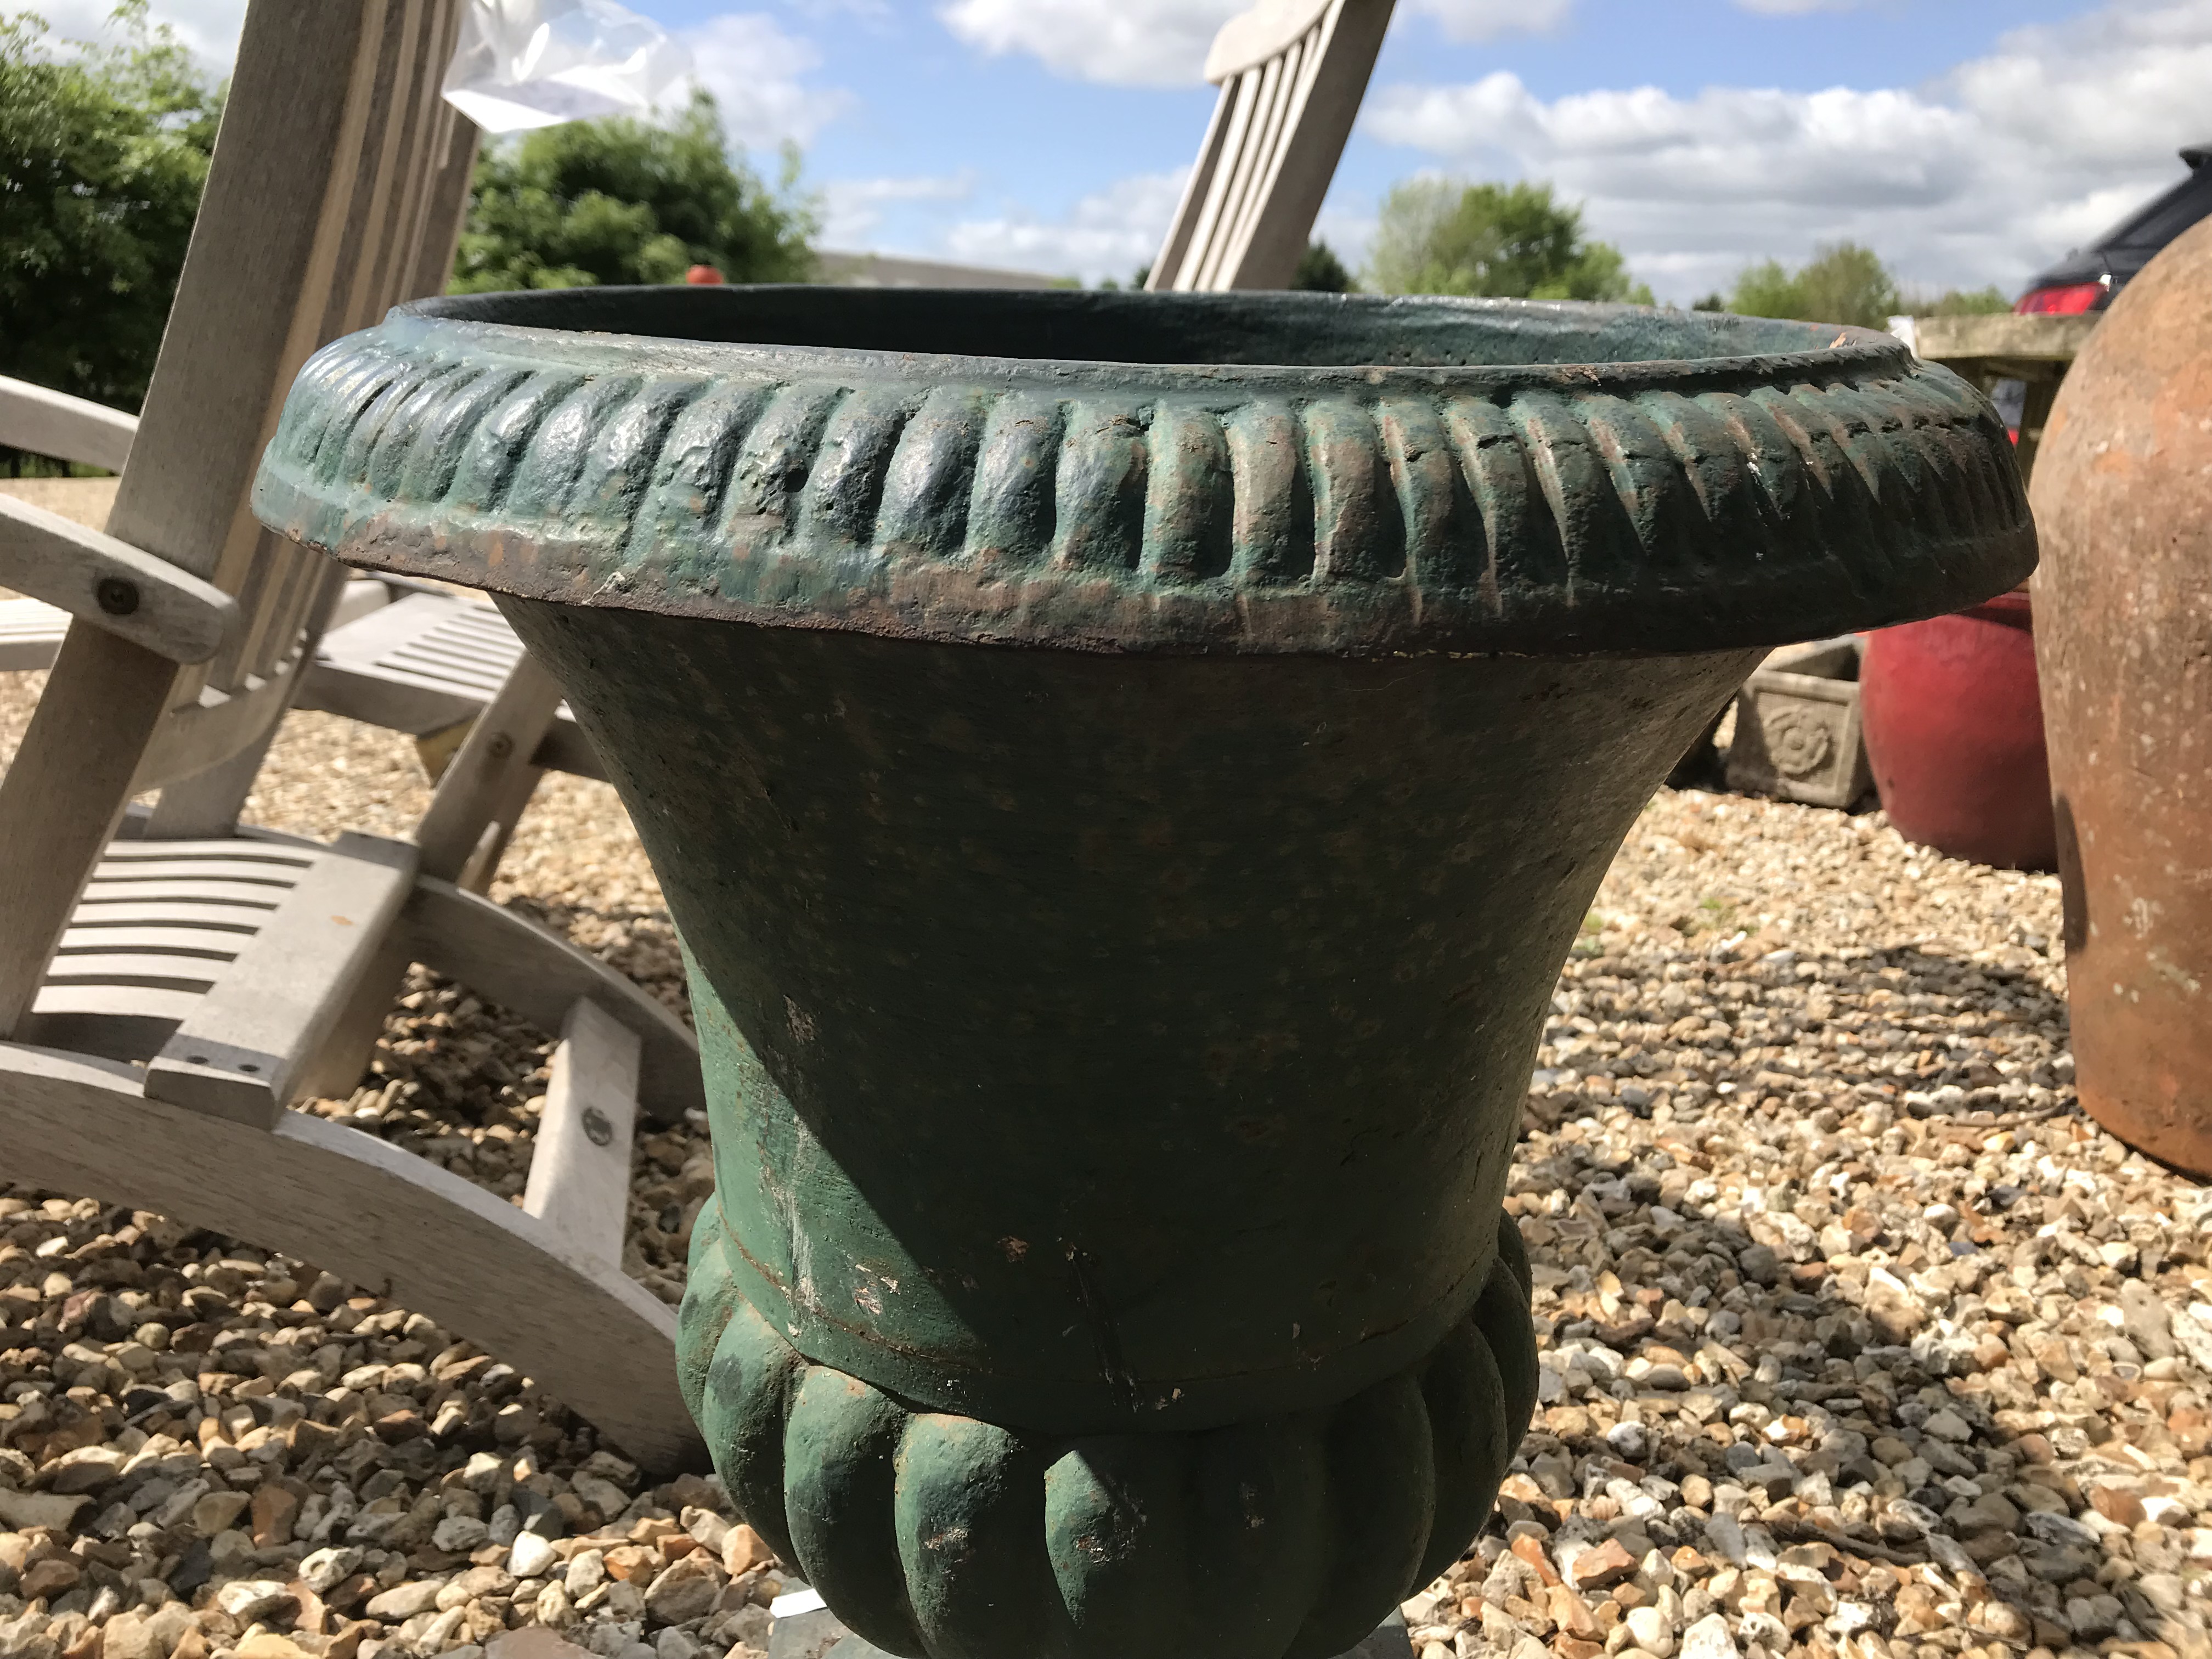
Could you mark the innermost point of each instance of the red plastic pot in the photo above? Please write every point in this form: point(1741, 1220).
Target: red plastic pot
point(1954, 732)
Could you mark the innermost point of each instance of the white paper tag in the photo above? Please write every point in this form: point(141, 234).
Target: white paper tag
point(523, 63)
point(796, 1602)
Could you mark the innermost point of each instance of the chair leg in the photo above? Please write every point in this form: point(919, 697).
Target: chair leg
point(207, 804)
point(509, 960)
point(488, 785)
point(506, 811)
point(580, 1167)
point(479, 797)
point(64, 793)
point(336, 1069)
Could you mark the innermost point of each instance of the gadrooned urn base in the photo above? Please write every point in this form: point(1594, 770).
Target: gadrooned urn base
point(1276, 1538)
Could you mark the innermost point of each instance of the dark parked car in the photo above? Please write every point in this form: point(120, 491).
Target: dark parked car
point(2087, 279)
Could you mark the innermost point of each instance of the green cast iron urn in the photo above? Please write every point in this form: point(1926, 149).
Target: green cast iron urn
point(1126, 769)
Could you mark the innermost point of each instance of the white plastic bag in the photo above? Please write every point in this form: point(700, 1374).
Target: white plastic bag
point(522, 64)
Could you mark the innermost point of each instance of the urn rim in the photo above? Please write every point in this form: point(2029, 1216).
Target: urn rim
point(1478, 476)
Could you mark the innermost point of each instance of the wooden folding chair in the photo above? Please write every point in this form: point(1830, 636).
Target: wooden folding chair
point(164, 996)
point(1291, 75)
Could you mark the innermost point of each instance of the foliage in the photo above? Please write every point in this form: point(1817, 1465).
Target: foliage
point(103, 149)
point(1517, 242)
point(622, 200)
point(1320, 272)
point(1960, 302)
point(1845, 284)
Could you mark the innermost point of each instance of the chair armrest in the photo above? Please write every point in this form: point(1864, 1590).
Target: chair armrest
point(112, 585)
point(48, 422)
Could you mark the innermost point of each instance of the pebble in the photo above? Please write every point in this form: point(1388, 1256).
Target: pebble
point(531, 1556)
point(1858, 1341)
point(1855, 1334)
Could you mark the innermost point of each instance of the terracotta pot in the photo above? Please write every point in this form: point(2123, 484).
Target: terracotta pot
point(1954, 734)
point(2123, 494)
point(1126, 798)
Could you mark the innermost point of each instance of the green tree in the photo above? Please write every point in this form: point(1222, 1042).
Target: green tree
point(1320, 272)
point(1516, 241)
point(1844, 283)
point(622, 200)
point(1960, 302)
point(103, 149)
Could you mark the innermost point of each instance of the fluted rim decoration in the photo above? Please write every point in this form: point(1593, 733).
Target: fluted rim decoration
point(1317, 473)
point(1266, 1539)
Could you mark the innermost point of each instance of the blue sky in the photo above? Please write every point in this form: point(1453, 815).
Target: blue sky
point(1026, 139)
point(1968, 141)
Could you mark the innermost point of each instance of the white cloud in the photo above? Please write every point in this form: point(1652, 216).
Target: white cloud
point(1488, 20)
point(1979, 177)
point(1109, 233)
point(853, 209)
point(757, 73)
point(1161, 43)
point(1132, 42)
point(1800, 7)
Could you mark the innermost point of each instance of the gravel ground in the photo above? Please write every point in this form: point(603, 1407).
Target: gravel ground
point(1858, 1338)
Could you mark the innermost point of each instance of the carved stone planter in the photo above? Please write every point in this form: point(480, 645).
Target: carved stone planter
point(1797, 733)
point(1126, 769)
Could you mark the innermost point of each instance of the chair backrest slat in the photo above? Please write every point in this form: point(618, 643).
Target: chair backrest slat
point(393, 134)
point(388, 137)
point(1269, 137)
point(1264, 108)
point(1238, 100)
point(1291, 74)
point(446, 206)
point(291, 580)
point(429, 194)
point(259, 258)
point(1182, 229)
point(334, 155)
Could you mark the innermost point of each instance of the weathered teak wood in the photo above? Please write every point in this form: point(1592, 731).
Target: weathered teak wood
point(540, 975)
point(2003, 337)
point(251, 304)
point(579, 1165)
point(30, 634)
point(240, 1050)
point(196, 904)
point(112, 585)
point(1291, 74)
point(427, 663)
point(394, 1223)
point(64, 792)
point(2037, 351)
point(200, 985)
point(490, 780)
point(43, 422)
